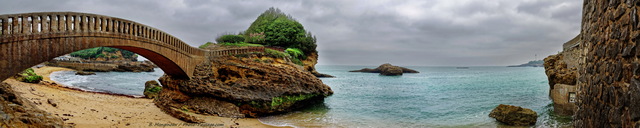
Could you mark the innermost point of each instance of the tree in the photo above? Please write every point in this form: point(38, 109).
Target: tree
point(274, 28)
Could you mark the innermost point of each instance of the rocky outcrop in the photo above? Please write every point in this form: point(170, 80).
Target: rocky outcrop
point(151, 89)
point(99, 66)
point(387, 70)
point(310, 65)
point(514, 115)
point(250, 86)
point(16, 112)
point(83, 73)
point(558, 72)
point(561, 70)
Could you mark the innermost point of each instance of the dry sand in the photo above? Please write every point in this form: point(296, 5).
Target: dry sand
point(87, 109)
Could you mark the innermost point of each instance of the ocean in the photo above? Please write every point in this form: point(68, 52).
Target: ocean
point(435, 97)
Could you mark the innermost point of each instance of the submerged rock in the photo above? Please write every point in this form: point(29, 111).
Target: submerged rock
point(152, 89)
point(387, 70)
point(243, 87)
point(514, 115)
point(82, 73)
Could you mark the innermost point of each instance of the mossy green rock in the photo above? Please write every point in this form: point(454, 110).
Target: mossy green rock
point(152, 89)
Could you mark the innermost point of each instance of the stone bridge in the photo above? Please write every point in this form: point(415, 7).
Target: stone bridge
point(31, 38)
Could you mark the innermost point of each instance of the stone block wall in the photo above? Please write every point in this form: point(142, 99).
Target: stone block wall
point(608, 84)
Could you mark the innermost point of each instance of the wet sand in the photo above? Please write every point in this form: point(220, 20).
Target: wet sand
point(87, 109)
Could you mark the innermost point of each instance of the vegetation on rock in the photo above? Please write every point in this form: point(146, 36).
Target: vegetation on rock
point(275, 28)
point(289, 100)
point(152, 89)
point(29, 76)
point(103, 52)
point(230, 39)
point(205, 45)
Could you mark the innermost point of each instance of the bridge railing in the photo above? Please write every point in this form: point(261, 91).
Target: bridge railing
point(230, 52)
point(72, 22)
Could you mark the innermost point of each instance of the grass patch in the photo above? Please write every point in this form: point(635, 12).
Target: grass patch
point(205, 45)
point(289, 100)
point(240, 44)
point(155, 89)
point(29, 76)
point(275, 53)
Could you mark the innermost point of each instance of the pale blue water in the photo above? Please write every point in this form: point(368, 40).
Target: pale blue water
point(436, 97)
point(128, 83)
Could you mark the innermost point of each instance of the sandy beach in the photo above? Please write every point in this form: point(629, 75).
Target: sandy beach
point(87, 109)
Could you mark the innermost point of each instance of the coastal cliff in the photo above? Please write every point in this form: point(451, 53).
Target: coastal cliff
point(17, 112)
point(561, 70)
point(310, 65)
point(245, 85)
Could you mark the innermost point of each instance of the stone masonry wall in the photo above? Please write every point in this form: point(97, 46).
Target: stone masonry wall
point(609, 89)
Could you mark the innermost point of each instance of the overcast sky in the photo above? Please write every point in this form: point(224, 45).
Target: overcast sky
point(364, 32)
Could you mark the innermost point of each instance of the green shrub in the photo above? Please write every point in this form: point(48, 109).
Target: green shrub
point(297, 61)
point(275, 53)
point(29, 76)
point(275, 28)
point(155, 89)
point(296, 53)
point(100, 55)
point(94, 52)
point(240, 44)
point(33, 79)
point(230, 39)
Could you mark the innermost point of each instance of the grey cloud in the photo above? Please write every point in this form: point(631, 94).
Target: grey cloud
point(364, 32)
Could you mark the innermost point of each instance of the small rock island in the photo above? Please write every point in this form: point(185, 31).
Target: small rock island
point(387, 70)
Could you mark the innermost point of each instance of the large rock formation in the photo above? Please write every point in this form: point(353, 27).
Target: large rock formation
point(310, 65)
point(609, 72)
point(514, 115)
point(561, 70)
point(16, 112)
point(251, 86)
point(107, 66)
point(387, 70)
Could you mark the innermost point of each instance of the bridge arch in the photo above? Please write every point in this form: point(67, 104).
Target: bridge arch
point(31, 38)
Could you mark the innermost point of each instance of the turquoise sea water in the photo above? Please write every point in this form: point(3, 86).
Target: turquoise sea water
point(436, 97)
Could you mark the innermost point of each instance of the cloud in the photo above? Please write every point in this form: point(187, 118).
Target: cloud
point(364, 32)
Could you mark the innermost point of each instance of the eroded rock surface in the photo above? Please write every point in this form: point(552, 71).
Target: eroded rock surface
point(151, 89)
point(250, 86)
point(16, 112)
point(514, 115)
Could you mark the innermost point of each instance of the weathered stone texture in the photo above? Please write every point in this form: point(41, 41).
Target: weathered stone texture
point(609, 94)
point(31, 38)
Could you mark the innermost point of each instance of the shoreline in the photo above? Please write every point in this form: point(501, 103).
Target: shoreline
point(82, 108)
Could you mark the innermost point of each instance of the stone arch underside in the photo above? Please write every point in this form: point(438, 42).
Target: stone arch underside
point(18, 55)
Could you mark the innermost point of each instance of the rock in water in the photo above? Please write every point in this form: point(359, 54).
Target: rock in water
point(514, 115)
point(232, 86)
point(152, 89)
point(82, 73)
point(387, 70)
point(391, 71)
